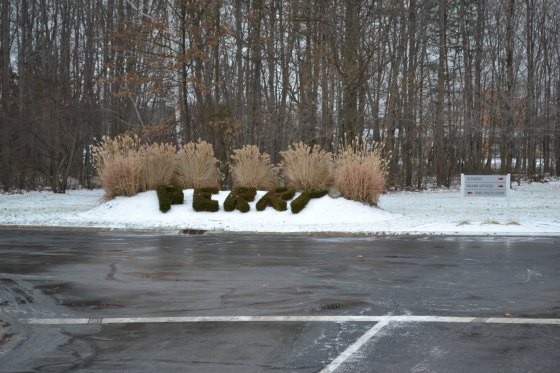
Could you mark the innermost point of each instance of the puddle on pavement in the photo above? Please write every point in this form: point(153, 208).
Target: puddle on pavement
point(52, 289)
point(152, 275)
point(10, 292)
point(91, 304)
point(193, 231)
point(330, 305)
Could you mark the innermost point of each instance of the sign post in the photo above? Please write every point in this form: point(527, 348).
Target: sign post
point(486, 186)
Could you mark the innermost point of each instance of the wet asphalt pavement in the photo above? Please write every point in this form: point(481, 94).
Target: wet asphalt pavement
point(94, 275)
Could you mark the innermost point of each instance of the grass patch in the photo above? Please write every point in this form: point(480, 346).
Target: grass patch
point(491, 221)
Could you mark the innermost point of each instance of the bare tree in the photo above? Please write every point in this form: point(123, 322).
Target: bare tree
point(450, 86)
point(439, 127)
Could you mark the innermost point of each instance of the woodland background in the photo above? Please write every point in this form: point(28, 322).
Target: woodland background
point(448, 86)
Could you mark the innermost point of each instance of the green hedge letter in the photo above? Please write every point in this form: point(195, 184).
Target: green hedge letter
point(276, 199)
point(202, 200)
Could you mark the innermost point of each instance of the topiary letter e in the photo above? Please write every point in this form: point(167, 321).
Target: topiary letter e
point(202, 200)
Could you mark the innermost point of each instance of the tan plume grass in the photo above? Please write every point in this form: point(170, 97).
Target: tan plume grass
point(360, 172)
point(305, 167)
point(158, 165)
point(118, 163)
point(252, 169)
point(196, 166)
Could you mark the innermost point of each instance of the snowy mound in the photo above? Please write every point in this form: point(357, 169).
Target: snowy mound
point(533, 210)
point(321, 215)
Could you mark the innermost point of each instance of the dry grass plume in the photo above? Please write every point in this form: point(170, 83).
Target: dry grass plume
point(158, 165)
point(118, 163)
point(252, 169)
point(196, 166)
point(306, 167)
point(360, 172)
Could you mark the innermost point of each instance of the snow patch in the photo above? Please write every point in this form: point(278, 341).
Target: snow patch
point(534, 210)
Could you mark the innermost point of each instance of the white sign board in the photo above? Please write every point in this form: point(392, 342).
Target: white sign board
point(485, 185)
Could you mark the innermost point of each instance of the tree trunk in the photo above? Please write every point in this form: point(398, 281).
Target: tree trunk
point(530, 98)
point(439, 138)
point(507, 127)
point(350, 78)
point(5, 127)
point(410, 122)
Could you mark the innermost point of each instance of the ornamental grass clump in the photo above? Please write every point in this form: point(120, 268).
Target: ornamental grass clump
point(252, 169)
point(118, 163)
point(196, 166)
point(360, 172)
point(158, 165)
point(304, 167)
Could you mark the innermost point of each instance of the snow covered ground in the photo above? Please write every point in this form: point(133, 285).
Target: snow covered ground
point(534, 210)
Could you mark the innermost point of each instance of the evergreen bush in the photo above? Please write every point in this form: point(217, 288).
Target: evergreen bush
point(276, 199)
point(163, 199)
point(301, 202)
point(317, 193)
point(168, 195)
point(239, 199)
point(286, 193)
point(202, 200)
point(176, 195)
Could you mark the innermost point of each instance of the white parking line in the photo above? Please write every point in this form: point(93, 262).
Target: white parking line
point(381, 322)
point(341, 318)
point(354, 347)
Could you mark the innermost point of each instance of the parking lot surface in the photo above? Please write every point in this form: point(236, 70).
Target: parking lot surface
point(114, 302)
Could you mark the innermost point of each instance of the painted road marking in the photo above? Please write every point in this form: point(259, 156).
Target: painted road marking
point(381, 322)
point(342, 318)
point(354, 347)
